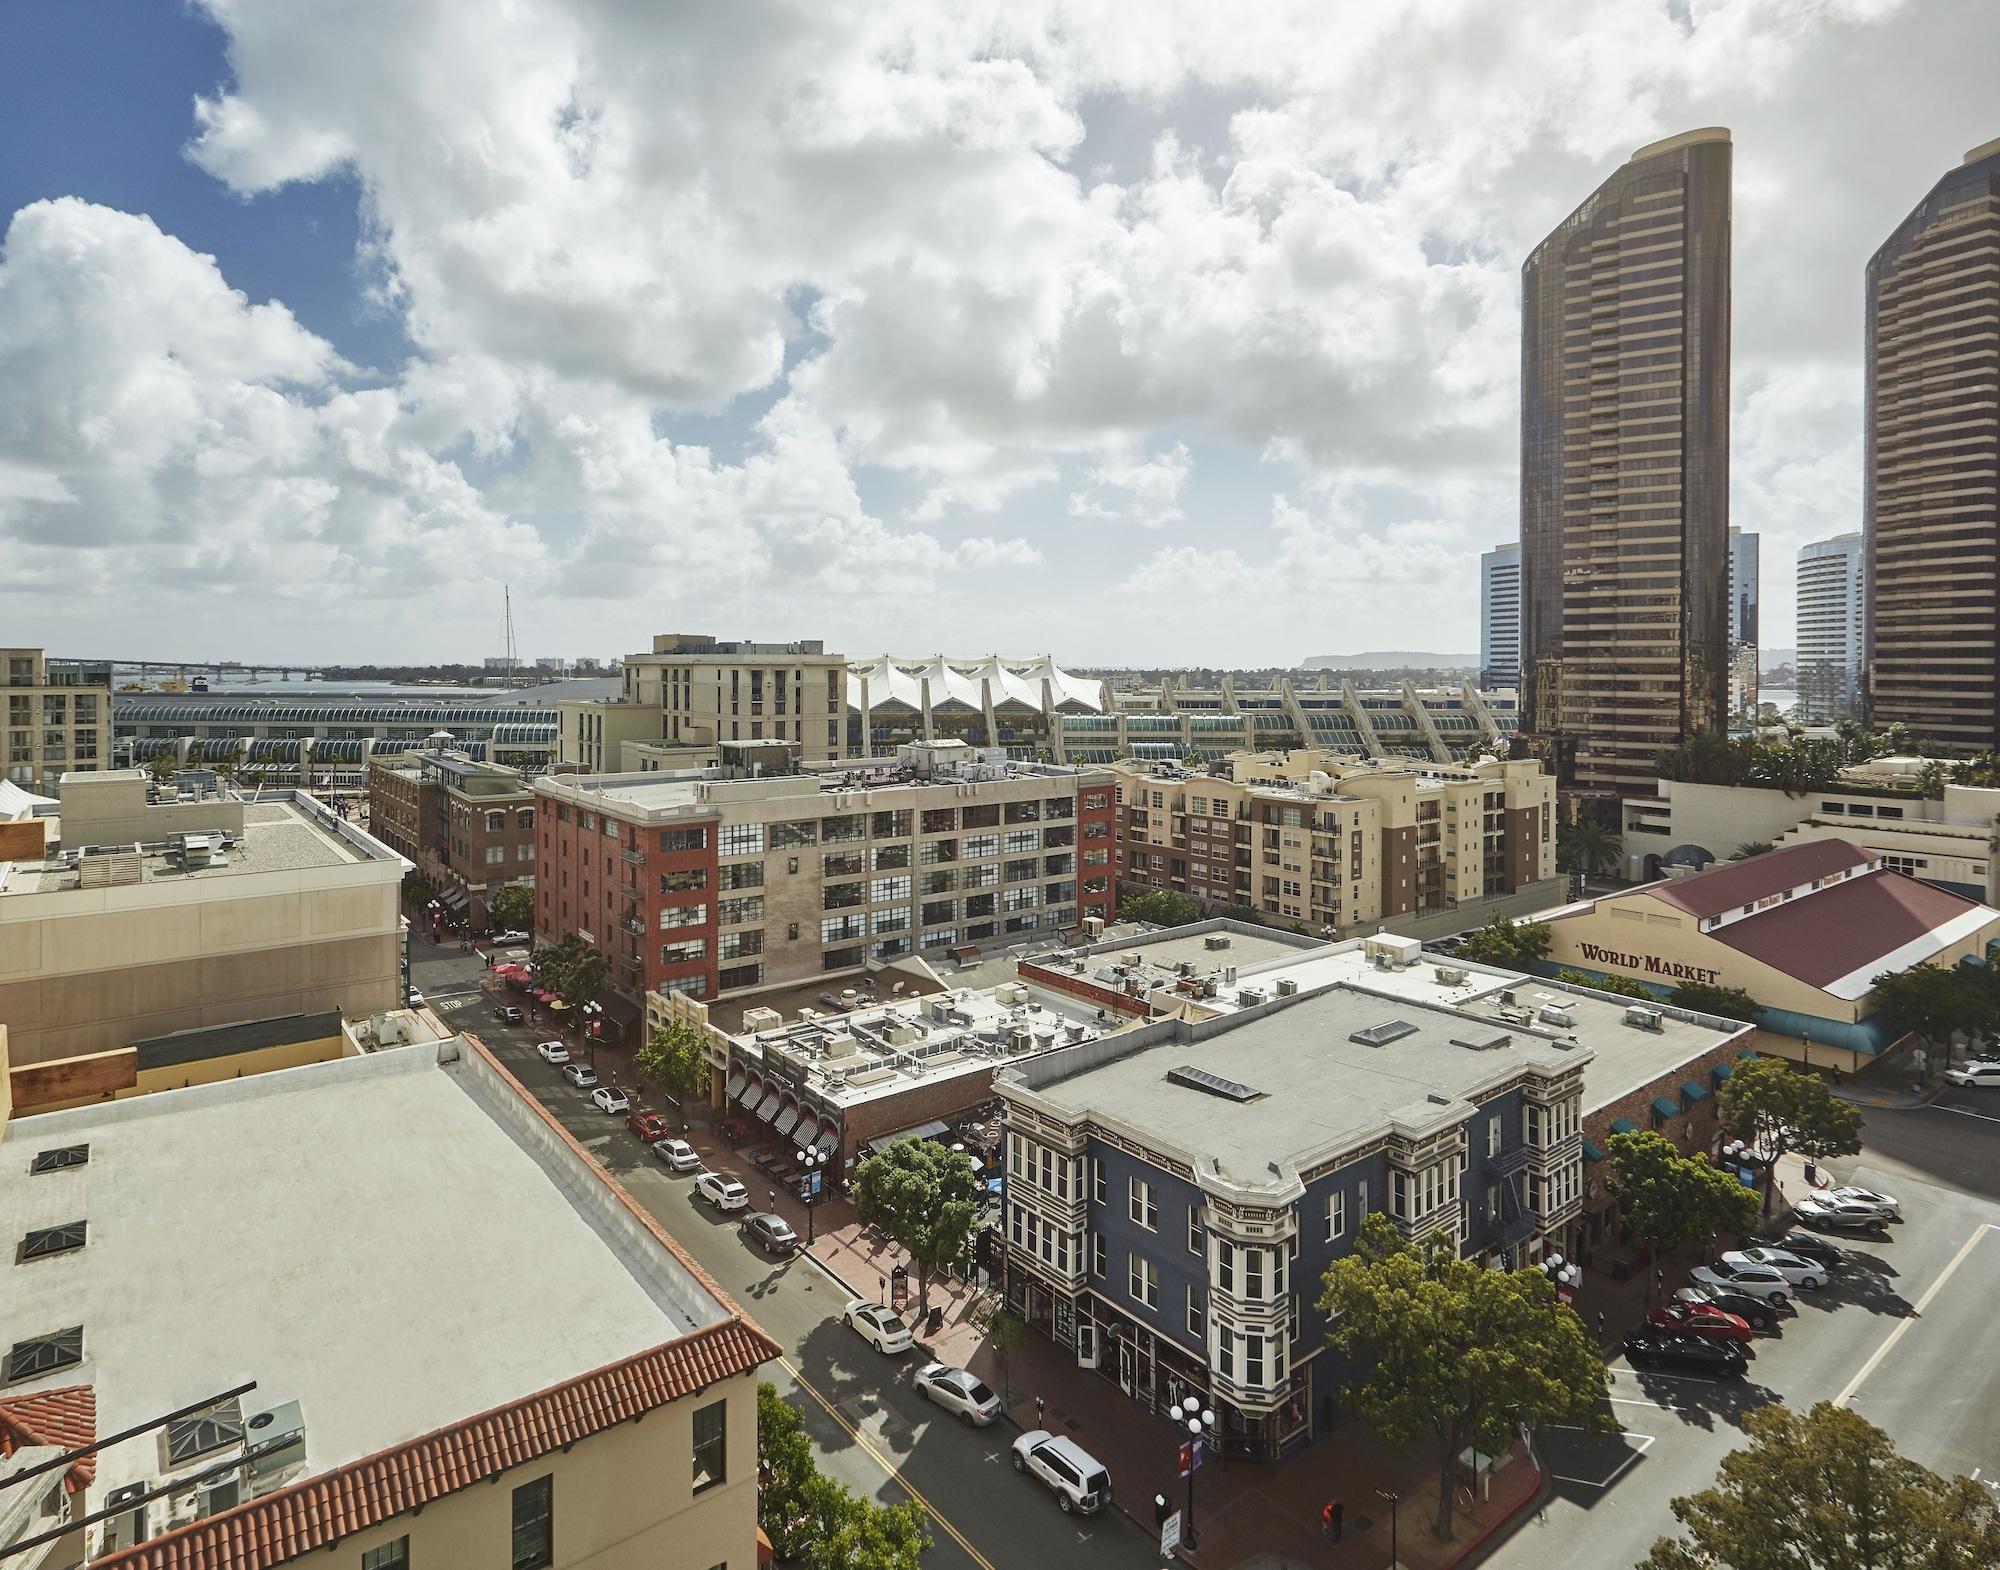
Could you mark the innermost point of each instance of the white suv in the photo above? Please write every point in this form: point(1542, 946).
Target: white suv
point(1076, 1480)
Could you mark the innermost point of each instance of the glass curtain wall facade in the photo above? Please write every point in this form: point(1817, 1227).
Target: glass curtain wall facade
point(1625, 468)
point(1932, 505)
point(1830, 619)
point(1500, 617)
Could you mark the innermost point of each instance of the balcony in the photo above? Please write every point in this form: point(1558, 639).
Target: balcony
point(1511, 1160)
point(633, 858)
point(633, 925)
point(629, 892)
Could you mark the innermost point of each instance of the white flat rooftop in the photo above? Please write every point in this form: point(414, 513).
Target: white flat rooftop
point(394, 1242)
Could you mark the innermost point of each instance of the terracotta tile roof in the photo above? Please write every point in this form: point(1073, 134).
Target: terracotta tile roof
point(320, 1511)
point(1734, 884)
point(64, 1417)
point(1837, 931)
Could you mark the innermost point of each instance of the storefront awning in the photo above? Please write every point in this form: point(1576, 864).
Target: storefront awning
point(1591, 1152)
point(828, 1141)
point(455, 897)
point(1624, 1126)
point(1666, 1106)
point(787, 1121)
point(921, 1131)
point(1690, 1091)
point(735, 1087)
point(768, 1107)
point(807, 1131)
point(1720, 1071)
point(623, 1010)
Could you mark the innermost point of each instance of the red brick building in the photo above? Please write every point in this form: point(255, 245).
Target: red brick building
point(468, 826)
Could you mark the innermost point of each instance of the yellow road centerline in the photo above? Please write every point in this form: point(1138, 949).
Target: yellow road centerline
point(886, 1464)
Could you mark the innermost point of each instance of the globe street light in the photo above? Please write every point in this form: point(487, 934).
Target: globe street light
point(813, 1162)
point(1198, 1420)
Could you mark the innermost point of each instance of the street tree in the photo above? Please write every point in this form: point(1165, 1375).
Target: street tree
point(1455, 1355)
point(1827, 1490)
point(1669, 1198)
point(572, 969)
point(1703, 997)
point(923, 1196)
point(1006, 1333)
point(1587, 846)
point(1161, 907)
point(815, 1522)
point(675, 1059)
point(513, 906)
point(1507, 943)
point(1621, 986)
point(1781, 1111)
point(1934, 1003)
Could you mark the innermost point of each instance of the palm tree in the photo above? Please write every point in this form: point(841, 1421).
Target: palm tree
point(1751, 848)
point(1587, 846)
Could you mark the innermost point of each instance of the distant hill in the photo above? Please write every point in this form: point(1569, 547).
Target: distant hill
point(1391, 660)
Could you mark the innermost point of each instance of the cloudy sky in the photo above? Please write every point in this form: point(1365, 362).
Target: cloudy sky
point(1166, 332)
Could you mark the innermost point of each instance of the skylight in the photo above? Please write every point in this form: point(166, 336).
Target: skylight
point(1213, 1084)
point(1381, 1035)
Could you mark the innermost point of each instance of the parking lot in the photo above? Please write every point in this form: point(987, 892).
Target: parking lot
point(1889, 1336)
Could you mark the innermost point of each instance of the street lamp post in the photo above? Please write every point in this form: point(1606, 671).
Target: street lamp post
point(1198, 1421)
point(814, 1162)
point(1394, 1499)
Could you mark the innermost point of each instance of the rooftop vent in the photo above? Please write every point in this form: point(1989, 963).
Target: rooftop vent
point(1288, 986)
point(1216, 940)
point(59, 1158)
point(1381, 1035)
point(1639, 1017)
point(45, 1241)
point(1556, 1014)
point(1214, 1084)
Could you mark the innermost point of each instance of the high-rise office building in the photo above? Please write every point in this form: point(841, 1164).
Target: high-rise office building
point(1932, 506)
point(1625, 467)
point(1500, 616)
point(1742, 621)
point(1832, 591)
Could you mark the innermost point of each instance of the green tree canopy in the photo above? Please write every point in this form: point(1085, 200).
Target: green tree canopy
point(1826, 1490)
point(1932, 1003)
point(1725, 1002)
point(923, 1196)
point(1780, 1110)
point(573, 969)
point(815, 1522)
point(1669, 1198)
point(1622, 986)
point(1751, 848)
point(1507, 943)
point(1162, 907)
point(1587, 846)
point(1456, 1354)
point(514, 906)
point(675, 1059)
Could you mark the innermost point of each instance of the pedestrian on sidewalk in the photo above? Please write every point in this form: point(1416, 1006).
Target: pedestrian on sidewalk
point(1334, 1519)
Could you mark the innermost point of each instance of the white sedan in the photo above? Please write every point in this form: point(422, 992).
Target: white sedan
point(725, 1193)
point(879, 1325)
point(1888, 1204)
point(416, 999)
point(678, 1155)
point(1839, 1215)
point(958, 1390)
point(1980, 1072)
point(1757, 1280)
point(581, 1075)
point(610, 1099)
point(1804, 1273)
point(552, 1051)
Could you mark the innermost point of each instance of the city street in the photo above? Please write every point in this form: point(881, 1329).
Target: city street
point(873, 1431)
point(1890, 1338)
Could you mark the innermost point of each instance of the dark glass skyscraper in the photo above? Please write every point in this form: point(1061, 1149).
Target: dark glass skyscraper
point(1932, 513)
point(1625, 468)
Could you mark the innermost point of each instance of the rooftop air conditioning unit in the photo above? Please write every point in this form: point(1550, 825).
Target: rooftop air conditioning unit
point(1287, 987)
point(1250, 997)
point(1216, 940)
point(1208, 988)
point(216, 1494)
point(1639, 1017)
point(1507, 995)
point(1450, 976)
point(1093, 927)
point(1555, 1014)
point(275, 1441)
point(126, 1527)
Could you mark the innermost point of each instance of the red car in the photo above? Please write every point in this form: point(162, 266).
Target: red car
point(649, 1126)
point(1698, 1319)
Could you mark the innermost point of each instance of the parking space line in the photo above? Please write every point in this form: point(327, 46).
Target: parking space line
point(1889, 1342)
point(1966, 1112)
point(885, 1464)
point(1623, 1467)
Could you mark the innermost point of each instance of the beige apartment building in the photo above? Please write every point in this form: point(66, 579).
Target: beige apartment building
point(708, 690)
point(1328, 843)
point(159, 916)
point(352, 1390)
point(58, 719)
point(1932, 503)
point(735, 880)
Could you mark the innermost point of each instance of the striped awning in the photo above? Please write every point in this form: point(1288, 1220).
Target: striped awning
point(768, 1107)
point(807, 1131)
point(828, 1141)
point(787, 1120)
point(735, 1085)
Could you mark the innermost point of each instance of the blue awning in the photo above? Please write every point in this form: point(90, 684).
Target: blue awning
point(1720, 1071)
point(1747, 1052)
point(1591, 1152)
point(1690, 1091)
point(1666, 1106)
point(1624, 1126)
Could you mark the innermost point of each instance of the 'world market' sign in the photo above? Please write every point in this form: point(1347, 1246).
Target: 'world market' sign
point(1651, 964)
